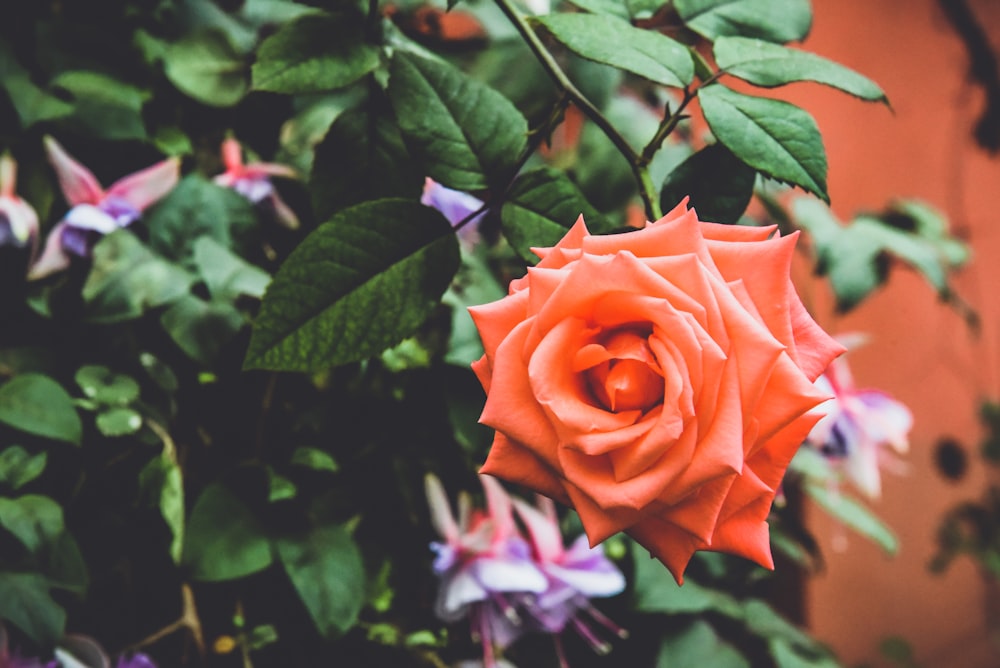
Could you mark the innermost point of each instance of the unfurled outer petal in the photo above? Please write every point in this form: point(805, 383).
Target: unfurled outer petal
point(78, 184)
point(657, 380)
point(143, 188)
point(53, 258)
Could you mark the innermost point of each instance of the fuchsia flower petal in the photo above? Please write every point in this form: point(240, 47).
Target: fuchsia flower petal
point(79, 185)
point(143, 188)
point(18, 220)
point(254, 183)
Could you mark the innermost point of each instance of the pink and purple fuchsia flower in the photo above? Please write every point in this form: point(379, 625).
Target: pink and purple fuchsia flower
point(862, 430)
point(75, 651)
point(508, 586)
point(253, 181)
point(94, 211)
point(18, 221)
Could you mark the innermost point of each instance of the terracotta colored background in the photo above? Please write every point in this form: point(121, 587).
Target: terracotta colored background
point(922, 352)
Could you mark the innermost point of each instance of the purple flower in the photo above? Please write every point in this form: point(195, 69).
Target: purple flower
point(253, 181)
point(95, 211)
point(861, 429)
point(18, 221)
point(483, 563)
point(456, 206)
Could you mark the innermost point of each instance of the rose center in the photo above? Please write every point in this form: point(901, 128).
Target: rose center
point(629, 377)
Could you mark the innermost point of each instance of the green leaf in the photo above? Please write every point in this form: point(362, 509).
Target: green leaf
point(25, 602)
point(127, 278)
point(467, 134)
point(224, 539)
point(769, 65)
point(162, 483)
point(474, 284)
point(606, 7)
point(226, 274)
point(540, 207)
point(358, 284)
point(776, 138)
point(35, 520)
point(812, 464)
point(719, 184)
point(39, 405)
point(315, 459)
point(656, 591)
point(104, 386)
point(855, 515)
point(206, 66)
point(326, 569)
point(65, 566)
point(362, 158)
point(197, 208)
point(106, 107)
point(613, 41)
point(699, 645)
point(773, 20)
point(118, 421)
point(18, 467)
point(313, 54)
point(201, 328)
point(32, 103)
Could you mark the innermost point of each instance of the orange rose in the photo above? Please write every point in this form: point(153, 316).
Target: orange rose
point(657, 381)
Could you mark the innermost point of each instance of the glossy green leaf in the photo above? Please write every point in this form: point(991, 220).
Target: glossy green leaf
point(541, 207)
point(162, 483)
point(767, 64)
point(39, 405)
point(104, 386)
point(127, 278)
point(699, 645)
point(226, 274)
point(615, 42)
point(313, 54)
point(224, 540)
point(718, 183)
point(118, 421)
point(18, 467)
point(776, 138)
point(25, 602)
point(357, 285)
point(206, 66)
point(35, 520)
point(854, 514)
point(466, 134)
point(201, 328)
point(326, 569)
point(773, 20)
point(195, 209)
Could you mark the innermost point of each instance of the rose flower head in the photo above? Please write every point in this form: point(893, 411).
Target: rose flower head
point(657, 381)
point(860, 430)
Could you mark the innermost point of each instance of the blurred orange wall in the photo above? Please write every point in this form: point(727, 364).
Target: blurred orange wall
point(921, 352)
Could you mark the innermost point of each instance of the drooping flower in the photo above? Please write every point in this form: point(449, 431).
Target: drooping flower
point(483, 562)
point(18, 220)
point(456, 206)
point(861, 430)
point(657, 381)
point(575, 576)
point(95, 211)
point(253, 181)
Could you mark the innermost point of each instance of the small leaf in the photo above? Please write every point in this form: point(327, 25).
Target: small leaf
point(615, 42)
point(163, 484)
point(118, 421)
point(226, 274)
point(719, 184)
point(201, 328)
point(326, 569)
point(359, 283)
point(224, 539)
point(313, 54)
point(280, 488)
point(205, 66)
point(541, 206)
point(35, 520)
point(467, 134)
point(776, 138)
point(102, 385)
point(768, 65)
point(127, 279)
point(773, 20)
point(315, 459)
point(855, 515)
point(18, 467)
point(25, 602)
point(39, 405)
point(106, 107)
point(65, 566)
point(699, 645)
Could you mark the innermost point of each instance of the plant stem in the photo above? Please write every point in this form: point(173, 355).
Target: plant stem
point(555, 72)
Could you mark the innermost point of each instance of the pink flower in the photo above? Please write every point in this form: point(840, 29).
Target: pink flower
point(861, 429)
point(482, 563)
point(253, 181)
point(18, 221)
point(95, 211)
